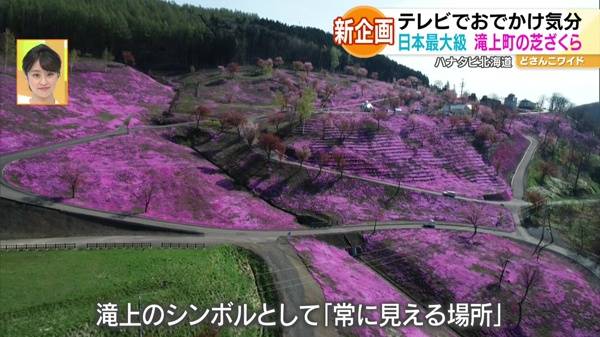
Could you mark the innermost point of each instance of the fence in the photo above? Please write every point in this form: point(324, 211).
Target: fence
point(100, 245)
point(109, 245)
point(182, 245)
point(39, 246)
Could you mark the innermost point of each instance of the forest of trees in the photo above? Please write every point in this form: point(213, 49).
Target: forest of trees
point(167, 36)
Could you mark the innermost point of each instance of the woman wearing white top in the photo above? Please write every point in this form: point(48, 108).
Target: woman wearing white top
point(42, 70)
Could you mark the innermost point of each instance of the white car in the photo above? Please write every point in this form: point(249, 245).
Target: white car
point(450, 194)
point(430, 224)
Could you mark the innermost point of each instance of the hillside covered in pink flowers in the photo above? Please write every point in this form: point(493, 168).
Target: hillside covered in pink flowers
point(414, 150)
point(448, 267)
point(122, 174)
point(292, 150)
point(99, 101)
point(346, 280)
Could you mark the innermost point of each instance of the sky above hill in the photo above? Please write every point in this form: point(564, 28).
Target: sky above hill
point(579, 86)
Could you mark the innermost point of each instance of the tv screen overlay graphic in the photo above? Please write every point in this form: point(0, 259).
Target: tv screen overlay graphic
point(42, 72)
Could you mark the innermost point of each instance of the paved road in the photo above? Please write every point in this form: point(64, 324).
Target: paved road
point(518, 186)
point(288, 270)
point(515, 202)
point(517, 183)
point(240, 236)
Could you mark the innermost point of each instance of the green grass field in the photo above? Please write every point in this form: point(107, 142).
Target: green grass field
point(559, 185)
point(578, 224)
point(54, 293)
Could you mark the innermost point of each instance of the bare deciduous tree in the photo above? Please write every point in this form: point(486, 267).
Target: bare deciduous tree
point(200, 112)
point(379, 116)
point(233, 119)
point(344, 126)
point(503, 260)
point(126, 123)
point(249, 132)
point(276, 119)
point(547, 168)
point(340, 161)
point(326, 122)
point(322, 160)
point(269, 142)
point(327, 94)
point(147, 191)
point(473, 216)
point(280, 151)
point(303, 154)
point(399, 191)
point(73, 177)
point(547, 226)
point(529, 277)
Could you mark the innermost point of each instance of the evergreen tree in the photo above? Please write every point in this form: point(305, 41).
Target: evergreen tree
point(163, 35)
point(8, 47)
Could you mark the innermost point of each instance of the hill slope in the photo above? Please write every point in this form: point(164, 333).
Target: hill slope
point(97, 103)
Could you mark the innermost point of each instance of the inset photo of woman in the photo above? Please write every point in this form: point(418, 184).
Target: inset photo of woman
point(42, 72)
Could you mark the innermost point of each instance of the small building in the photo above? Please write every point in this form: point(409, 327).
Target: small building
point(457, 109)
point(527, 105)
point(367, 107)
point(511, 101)
point(491, 102)
point(395, 110)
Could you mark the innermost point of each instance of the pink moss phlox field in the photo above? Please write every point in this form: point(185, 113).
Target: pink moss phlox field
point(540, 124)
point(420, 151)
point(508, 154)
point(565, 301)
point(344, 279)
point(98, 102)
point(117, 171)
point(348, 95)
point(354, 201)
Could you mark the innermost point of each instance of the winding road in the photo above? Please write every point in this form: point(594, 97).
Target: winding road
point(270, 245)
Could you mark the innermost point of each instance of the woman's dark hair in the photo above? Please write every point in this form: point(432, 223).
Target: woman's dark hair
point(49, 59)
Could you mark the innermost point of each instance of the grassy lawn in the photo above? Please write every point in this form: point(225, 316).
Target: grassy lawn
point(559, 184)
point(533, 173)
point(55, 293)
point(213, 88)
point(578, 224)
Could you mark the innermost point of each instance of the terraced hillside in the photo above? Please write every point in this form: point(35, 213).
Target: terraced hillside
point(415, 150)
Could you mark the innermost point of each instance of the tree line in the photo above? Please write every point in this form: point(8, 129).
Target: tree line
point(167, 36)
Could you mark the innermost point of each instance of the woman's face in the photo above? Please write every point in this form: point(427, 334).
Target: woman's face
point(41, 82)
